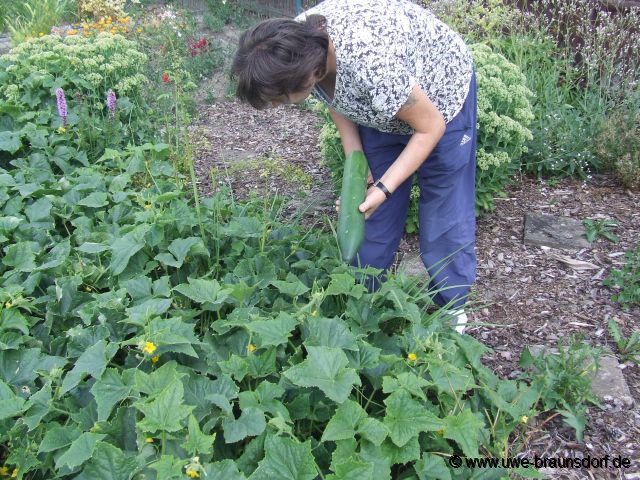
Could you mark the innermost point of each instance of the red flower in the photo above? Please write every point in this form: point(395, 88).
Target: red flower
point(165, 77)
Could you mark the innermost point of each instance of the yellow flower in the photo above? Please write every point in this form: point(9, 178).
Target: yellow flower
point(101, 22)
point(41, 34)
point(8, 305)
point(251, 348)
point(314, 313)
point(148, 206)
point(149, 440)
point(4, 471)
point(14, 474)
point(191, 473)
point(71, 32)
point(524, 419)
point(149, 347)
point(139, 29)
point(155, 359)
point(412, 356)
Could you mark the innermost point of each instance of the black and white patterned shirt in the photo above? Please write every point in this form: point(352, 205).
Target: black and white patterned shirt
point(383, 49)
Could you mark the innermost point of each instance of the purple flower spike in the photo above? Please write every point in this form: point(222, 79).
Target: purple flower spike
point(111, 103)
point(62, 105)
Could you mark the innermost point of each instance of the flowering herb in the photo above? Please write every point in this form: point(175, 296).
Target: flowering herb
point(111, 103)
point(62, 105)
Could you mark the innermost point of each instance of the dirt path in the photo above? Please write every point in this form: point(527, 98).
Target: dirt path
point(522, 295)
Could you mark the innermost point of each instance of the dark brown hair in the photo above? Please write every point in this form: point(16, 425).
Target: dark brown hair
point(277, 56)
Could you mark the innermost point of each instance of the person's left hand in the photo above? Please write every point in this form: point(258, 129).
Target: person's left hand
point(372, 201)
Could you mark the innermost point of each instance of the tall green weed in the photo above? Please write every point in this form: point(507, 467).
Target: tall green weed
point(29, 18)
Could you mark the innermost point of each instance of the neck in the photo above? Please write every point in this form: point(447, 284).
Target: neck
point(331, 63)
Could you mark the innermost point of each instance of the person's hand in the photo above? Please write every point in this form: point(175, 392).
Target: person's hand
point(372, 201)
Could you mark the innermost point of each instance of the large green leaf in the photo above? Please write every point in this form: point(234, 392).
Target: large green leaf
point(286, 459)
point(166, 411)
point(330, 332)
point(110, 463)
point(250, 424)
point(197, 442)
point(292, 287)
point(325, 368)
point(344, 422)
point(464, 428)
point(432, 467)
point(80, 451)
point(273, 332)
point(125, 247)
point(406, 418)
point(93, 361)
point(353, 470)
point(110, 389)
point(21, 256)
point(203, 291)
point(10, 404)
point(10, 142)
point(58, 436)
point(38, 406)
point(408, 381)
point(224, 470)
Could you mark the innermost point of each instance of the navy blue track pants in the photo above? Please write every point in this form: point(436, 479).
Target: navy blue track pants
point(447, 205)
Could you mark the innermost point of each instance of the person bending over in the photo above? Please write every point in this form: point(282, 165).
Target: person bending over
point(400, 86)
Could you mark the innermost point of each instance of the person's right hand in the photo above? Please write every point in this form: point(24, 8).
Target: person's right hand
point(369, 183)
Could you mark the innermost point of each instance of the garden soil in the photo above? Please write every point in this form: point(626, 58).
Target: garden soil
point(523, 296)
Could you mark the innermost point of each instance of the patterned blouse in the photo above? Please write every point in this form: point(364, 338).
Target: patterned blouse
point(383, 49)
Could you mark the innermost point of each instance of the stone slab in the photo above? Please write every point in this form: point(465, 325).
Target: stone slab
point(608, 381)
point(552, 231)
point(411, 265)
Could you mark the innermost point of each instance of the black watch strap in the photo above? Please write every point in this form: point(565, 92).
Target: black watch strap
point(384, 189)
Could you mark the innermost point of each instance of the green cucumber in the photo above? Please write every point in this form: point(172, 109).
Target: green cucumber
point(350, 220)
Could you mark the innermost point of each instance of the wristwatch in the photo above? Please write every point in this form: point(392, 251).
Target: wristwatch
point(384, 189)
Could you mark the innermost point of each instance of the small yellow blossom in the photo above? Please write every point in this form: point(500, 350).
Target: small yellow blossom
point(101, 21)
point(155, 359)
point(191, 473)
point(148, 206)
point(149, 347)
point(149, 440)
point(85, 26)
point(14, 474)
point(524, 419)
point(139, 29)
point(412, 356)
point(41, 34)
point(314, 313)
point(62, 130)
point(87, 288)
point(8, 305)
point(71, 32)
point(251, 348)
point(4, 471)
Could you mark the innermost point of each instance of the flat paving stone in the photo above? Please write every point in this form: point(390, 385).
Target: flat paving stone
point(608, 381)
point(551, 231)
point(411, 265)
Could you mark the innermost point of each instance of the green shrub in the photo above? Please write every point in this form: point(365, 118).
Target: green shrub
point(618, 145)
point(581, 62)
point(504, 113)
point(86, 69)
point(626, 281)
